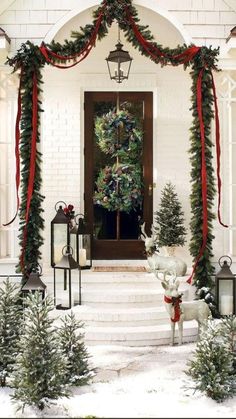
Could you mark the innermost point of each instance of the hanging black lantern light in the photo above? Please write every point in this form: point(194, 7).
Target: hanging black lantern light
point(225, 288)
point(60, 226)
point(65, 266)
point(81, 241)
point(34, 283)
point(119, 62)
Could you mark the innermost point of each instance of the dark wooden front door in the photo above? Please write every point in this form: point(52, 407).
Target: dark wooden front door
point(102, 222)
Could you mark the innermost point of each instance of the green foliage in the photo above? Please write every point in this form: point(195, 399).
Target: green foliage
point(213, 365)
point(40, 369)
point(71, 340)
point(204, 269)
point(169, 219)
point(10, 328)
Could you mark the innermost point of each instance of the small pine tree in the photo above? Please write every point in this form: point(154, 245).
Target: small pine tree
point(79, 371)
point(212, 367)
point(169, 219)
point(10, 327)
point(40, 367)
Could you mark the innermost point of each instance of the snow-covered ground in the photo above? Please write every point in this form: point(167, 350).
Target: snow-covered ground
point(147, 382)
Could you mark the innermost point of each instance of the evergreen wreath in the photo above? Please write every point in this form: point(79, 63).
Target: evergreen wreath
point(129, 146)
point(119, 188)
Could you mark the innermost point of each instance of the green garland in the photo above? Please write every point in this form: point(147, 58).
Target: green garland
point(204, 269)
point(29, 57)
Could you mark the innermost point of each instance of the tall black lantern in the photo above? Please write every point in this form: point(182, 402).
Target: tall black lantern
point(81, 241)
point(60, 227)
point(119, 62)
point(63, 269)
point(225, 288)
point(34, 283)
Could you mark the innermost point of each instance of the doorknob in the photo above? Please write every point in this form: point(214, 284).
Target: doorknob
point(150, 188)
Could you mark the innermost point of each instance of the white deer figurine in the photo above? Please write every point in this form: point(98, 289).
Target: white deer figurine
point(181, 311)
point(160, 262)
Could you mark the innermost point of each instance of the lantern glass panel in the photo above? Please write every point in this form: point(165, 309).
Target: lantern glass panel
point(73, 244)
point(84, 250)
point(225, 296)
point(62, 288)
point(60, 238)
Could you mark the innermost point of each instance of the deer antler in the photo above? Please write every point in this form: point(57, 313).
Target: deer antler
point(170, 272)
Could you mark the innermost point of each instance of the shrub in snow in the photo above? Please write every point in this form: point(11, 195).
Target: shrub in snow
point(39, 372)
point(10, 326)
point(79, 371)
point(213, 365)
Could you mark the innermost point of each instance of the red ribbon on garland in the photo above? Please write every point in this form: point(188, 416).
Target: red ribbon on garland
point(155, 52)
point(32, 163)
point(84, 52)
point(203, 175)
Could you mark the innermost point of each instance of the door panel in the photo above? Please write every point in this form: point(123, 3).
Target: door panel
point(106, 243)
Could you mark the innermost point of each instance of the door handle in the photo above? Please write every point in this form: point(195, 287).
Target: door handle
point(150, 188)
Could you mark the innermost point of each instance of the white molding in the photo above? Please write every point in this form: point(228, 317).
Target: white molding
point(149, 4)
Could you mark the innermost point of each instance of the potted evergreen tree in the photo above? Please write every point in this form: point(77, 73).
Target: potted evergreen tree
point(169, 221)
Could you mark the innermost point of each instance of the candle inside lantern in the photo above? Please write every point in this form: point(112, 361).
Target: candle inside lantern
point(226, 305)
point(82, 257)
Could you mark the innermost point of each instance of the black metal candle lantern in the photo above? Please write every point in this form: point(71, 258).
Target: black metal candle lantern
point(64, 267)
point(34, 283)
point(60, 226)
point(116, 59)
point(81, 240)
point(225, 288)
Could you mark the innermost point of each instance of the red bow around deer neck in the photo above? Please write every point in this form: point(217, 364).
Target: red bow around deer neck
point(175, 301)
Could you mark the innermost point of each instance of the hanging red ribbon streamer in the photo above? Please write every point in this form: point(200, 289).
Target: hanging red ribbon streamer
point(17, 152)
point(203, 175)
point(217, 130)
point(32, 163)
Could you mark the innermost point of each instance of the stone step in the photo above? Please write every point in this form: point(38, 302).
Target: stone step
point(121, 280)
point(138, 336)
point(123, 297)
point(121, 317)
